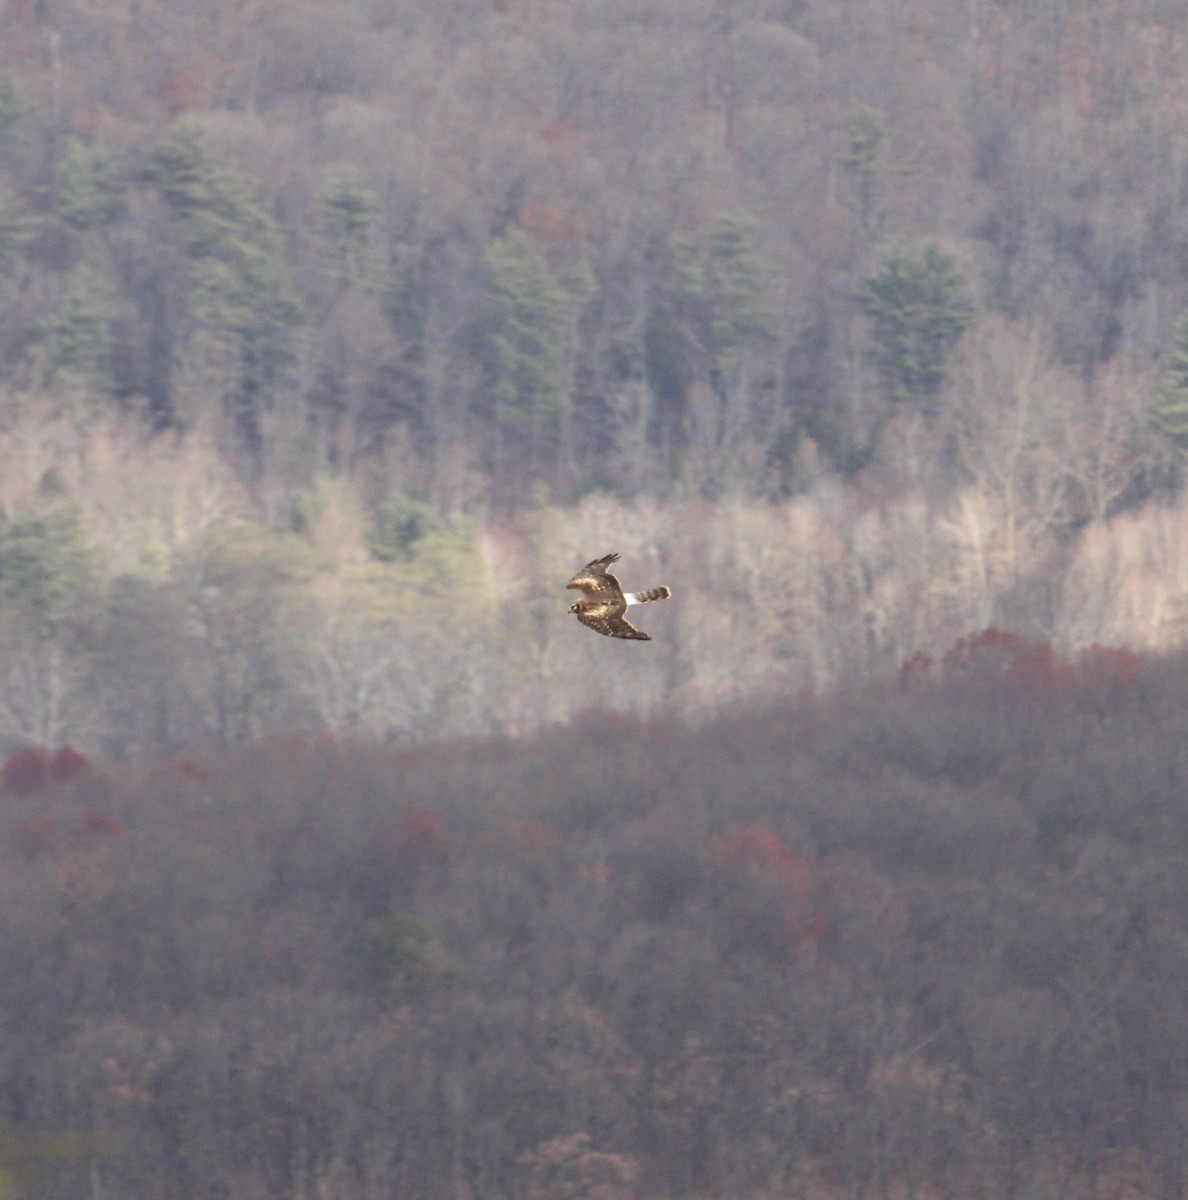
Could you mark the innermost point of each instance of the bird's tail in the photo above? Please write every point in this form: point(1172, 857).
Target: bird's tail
point(656, 593)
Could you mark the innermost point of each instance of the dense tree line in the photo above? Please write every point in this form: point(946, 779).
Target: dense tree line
point(925, 938)
point(332, 336)
point(652, 248)
point(156, 615)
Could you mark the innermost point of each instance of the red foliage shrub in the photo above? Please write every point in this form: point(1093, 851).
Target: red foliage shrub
point(1107, 675)
point(915, 666)
point(562, 141)
point(95, 822)
point(1013, 667)
point(1023, 670)
point(421, 836)
point(758, 850)
point(189, 770)
point(522, 839)
point(186, 91)
point(805, 933)
point(766, 859)
point(25, 772)
point(67, 764)
point(32, 769)
point(550, 224)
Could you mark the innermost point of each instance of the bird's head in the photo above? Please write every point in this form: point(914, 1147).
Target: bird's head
point(574, 607)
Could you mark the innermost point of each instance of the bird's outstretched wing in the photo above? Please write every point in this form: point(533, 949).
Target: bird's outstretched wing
point(595, 581)
point(613, 624)
point(604, 602)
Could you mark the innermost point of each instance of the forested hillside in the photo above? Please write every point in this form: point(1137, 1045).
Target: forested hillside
point(925, 940)
point(338, 860)
point(334, 335)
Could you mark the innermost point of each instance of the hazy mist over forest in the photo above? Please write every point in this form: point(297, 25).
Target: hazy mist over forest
point(334, 336)
point(341, 861)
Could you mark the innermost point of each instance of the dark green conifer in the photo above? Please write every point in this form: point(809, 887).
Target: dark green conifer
point(82, 334)
point(529, 322)
point(1171, 401)
point(721, 284)
point(240, 295)
point(90, 193)
point(917, 313)
point(345, 211)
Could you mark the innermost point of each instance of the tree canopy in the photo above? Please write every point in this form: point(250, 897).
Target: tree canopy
point(917, 314)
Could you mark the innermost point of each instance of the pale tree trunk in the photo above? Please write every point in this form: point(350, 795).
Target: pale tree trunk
point(43, 697)
point(1011, 404)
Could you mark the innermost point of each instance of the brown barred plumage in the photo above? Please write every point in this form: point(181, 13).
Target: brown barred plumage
point(656, 593)
point(604, 602)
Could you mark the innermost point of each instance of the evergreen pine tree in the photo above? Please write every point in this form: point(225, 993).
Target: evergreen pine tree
point(866, 130)
point(529, 322)
point(45, 564)
point(240, 296)
point(192, 181)
point(90, 192)
point(397, 523)
point(917, 315)
point(722, 285)
point(16, 230)
point(706, 349)
point(14, 102)
point(345, 211)
point(82, 333)
point(1171, 400)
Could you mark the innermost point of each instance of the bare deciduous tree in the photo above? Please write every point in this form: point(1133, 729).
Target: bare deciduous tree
point(1010, 413)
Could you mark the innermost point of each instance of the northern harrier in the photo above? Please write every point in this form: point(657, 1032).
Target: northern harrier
point(604, 602)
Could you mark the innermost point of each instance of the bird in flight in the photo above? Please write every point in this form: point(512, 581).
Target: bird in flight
point(604, 602)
